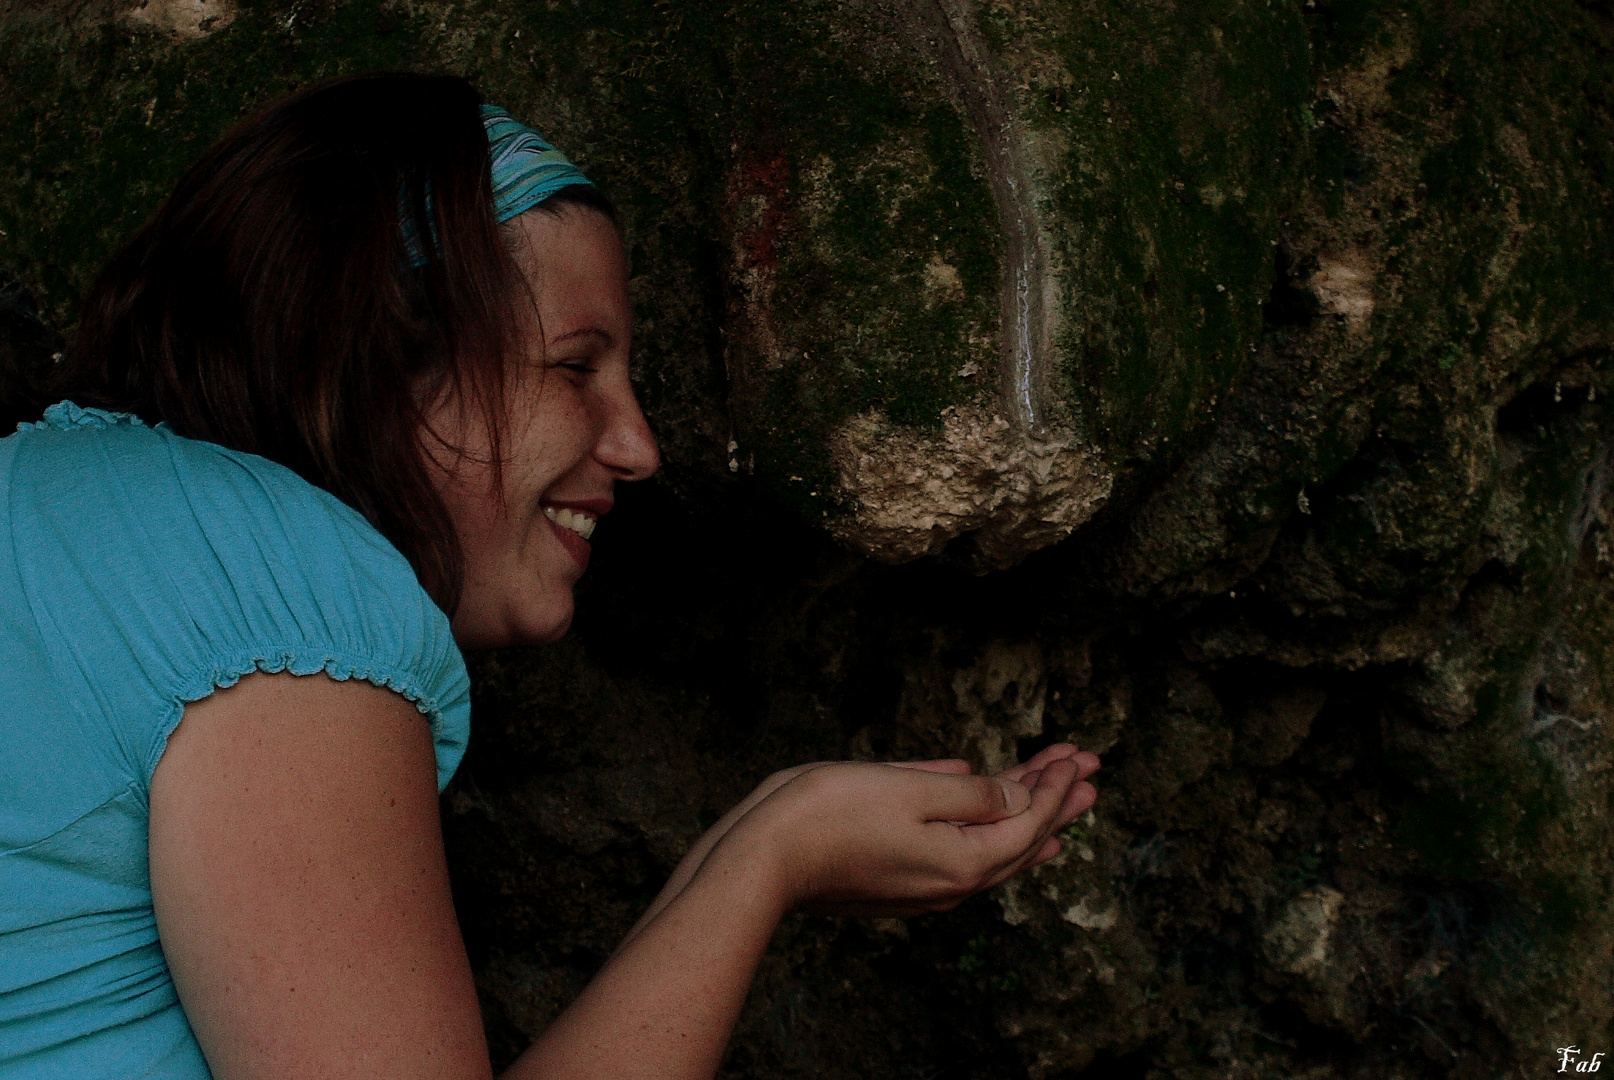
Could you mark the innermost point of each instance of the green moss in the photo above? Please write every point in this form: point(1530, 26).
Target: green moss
point(974, 957)
point(1185, 139)
point(1492, 151)
point(1565, 906)
point(112, 115)
point(1333, 155)
point(1495, 810)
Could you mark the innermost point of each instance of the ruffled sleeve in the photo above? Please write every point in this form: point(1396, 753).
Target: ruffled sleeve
point(68, 415)
point(161, 568)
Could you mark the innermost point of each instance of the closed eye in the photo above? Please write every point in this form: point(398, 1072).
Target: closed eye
point(594, 340)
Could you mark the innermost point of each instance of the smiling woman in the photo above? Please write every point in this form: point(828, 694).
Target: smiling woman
point(576, 430)
point(353, 400)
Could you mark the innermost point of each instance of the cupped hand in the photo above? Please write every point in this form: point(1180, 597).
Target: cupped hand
point(1080, 799)
point(862, 838)
point(1082, 794)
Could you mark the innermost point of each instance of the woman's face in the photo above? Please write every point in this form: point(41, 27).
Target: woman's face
point(575, 429)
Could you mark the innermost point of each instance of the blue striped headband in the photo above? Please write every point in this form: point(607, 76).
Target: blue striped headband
point(527, 169)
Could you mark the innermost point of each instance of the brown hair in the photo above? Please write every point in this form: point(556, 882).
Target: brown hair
point(270, 305)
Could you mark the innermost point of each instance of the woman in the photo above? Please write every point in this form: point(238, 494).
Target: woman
point(337, 414)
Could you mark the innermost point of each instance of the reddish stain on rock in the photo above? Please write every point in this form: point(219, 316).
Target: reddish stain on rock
point(766, 177)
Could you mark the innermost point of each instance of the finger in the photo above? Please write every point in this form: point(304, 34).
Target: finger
point(1021, 835)
point(955, 766)
point(1078, 801)
point(1046, 756)
point(1053, 784)
point(1087, 763)
point(1051, 847)
point(974, 800)
point(1081, 795)
point(1048, 798)
point(1049, 754)
point(1012, 844)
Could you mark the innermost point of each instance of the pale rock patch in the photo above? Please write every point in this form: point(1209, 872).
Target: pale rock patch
point(978, 711)
point(1297, 942)
point(185, 18)
point(942, 280)
point(916, 490)
point(1088, 919)
point(1000, 699)
point(1343, 285)
point(1008, 898)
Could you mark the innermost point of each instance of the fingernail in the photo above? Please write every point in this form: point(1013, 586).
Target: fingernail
point(1016, 797)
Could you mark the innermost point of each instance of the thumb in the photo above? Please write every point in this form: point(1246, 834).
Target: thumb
point(973, 800)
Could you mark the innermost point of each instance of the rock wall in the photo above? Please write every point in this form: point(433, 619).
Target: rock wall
point(1219, 383)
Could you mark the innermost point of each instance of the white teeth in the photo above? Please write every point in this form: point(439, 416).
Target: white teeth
point(576, 520)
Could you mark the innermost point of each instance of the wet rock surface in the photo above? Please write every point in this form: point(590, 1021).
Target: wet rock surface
point(1256, 436)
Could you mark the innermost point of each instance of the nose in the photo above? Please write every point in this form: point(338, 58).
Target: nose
point(626, 446)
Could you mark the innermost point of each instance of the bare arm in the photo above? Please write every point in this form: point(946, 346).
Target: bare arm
point(849, 836)
point(302, 894)
point(301, 890)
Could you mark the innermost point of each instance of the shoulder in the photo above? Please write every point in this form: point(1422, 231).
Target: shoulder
point(117, 496)
point(92, 462)
point(199, 564)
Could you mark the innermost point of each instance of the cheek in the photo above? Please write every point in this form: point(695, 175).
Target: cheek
point(461, 477)
point(561, 433)
point(468, 497)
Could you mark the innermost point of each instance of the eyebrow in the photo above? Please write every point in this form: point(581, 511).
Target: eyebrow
point(585, 331)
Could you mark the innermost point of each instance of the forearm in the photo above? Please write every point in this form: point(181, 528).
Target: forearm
point(664, 1005)
point(690, 864)
point(682, 875)
point(692, 861)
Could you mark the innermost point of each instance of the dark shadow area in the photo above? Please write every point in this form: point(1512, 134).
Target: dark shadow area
point(26, 350)
point(1288, 305)
point(1131, 1066)
point(1539, 407)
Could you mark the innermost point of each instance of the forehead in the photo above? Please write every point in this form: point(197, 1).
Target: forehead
point(576, 267)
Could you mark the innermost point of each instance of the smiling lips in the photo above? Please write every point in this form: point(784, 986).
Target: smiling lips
point(579, 521)
point(572, 528)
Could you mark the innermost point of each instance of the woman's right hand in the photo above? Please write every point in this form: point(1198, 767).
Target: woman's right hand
point(859, 838)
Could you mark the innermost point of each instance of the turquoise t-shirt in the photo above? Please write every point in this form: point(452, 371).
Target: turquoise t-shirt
point(139, 571)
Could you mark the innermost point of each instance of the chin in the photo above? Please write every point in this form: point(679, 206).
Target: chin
point(537, 624)
point(541, 624)
point(545, 635)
